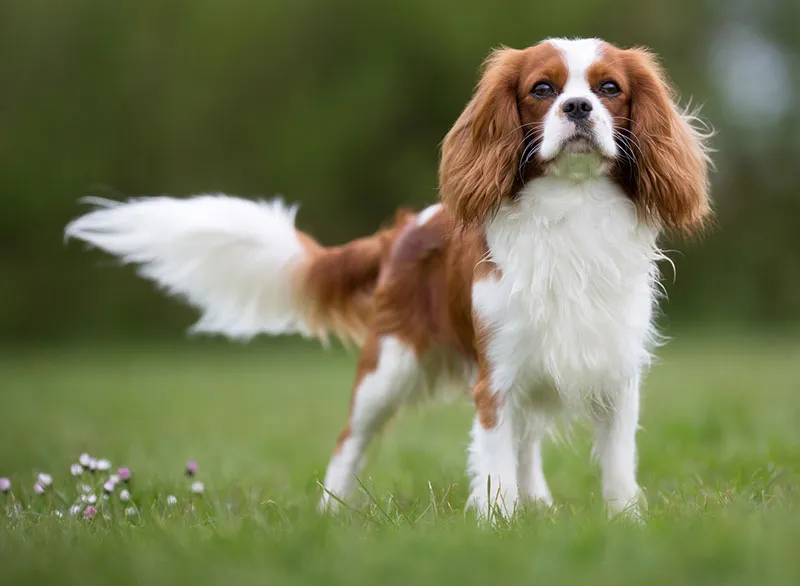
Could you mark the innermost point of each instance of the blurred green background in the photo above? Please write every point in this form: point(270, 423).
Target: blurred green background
point(342, 105)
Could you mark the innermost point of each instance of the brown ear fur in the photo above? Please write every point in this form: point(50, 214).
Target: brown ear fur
point(480, 154)
point(672, 159)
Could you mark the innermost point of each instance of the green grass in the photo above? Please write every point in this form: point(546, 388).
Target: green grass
point(719, 457)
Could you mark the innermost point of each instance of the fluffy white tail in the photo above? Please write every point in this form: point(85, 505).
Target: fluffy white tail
point(236, 260)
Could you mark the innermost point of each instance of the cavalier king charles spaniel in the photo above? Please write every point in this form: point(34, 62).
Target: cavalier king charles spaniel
point(533, 282)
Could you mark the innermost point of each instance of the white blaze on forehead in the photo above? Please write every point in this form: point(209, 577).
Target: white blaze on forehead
point(578, 55)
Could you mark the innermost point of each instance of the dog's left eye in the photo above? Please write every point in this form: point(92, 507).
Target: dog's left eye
point(609, 88)
point(543, 90)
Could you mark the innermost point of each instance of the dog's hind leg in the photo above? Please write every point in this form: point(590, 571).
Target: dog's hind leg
point(388, 373)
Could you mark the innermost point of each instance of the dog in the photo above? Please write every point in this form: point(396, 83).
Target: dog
point(533, 281)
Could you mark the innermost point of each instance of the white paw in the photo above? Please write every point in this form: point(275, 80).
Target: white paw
point(328, 503)
point(629, 507)
point(541, 499)
point(502, 506)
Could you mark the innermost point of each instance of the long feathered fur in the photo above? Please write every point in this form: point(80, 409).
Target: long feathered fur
point(241, 263)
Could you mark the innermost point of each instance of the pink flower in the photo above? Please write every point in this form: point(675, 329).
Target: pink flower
point(109, 486)
point(124, 474)
point(5, 485)
point(89, 512)
point(38, 488)
point(191, 468)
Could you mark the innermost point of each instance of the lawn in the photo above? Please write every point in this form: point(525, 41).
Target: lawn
point(719, 461)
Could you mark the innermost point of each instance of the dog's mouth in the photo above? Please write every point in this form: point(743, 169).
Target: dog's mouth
point(580, 156)
point(581, 142)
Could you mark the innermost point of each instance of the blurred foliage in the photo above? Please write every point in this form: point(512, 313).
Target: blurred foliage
point(342, 105)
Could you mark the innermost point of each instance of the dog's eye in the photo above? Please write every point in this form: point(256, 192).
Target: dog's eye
point(609, 89)
point(543, 90)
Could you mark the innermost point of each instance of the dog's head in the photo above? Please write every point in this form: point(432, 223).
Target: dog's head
point(538, 110)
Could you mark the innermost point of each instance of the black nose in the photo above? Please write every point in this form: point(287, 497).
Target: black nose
point(577, 108)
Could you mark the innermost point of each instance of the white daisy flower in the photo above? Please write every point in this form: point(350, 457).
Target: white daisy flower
point(74, 510)
point(114, 478)
point(84, 488)
point(92, 466)
point(76, 469)
point(198, 487)
point(109, 486)
point(88, 498)
point(38, 488)
point(5, 485)
point(45, 480)
point(171, 500)
point(130, 511)
point(103, 465)
point(85, 460)
point(58, 514)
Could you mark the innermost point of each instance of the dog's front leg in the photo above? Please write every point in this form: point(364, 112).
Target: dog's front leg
point(616, 422)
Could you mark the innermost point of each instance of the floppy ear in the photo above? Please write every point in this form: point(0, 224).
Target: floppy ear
point(480, 154)
point(671, 180)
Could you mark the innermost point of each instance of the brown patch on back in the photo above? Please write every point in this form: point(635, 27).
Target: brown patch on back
point(419, 289)
point(338, 283)
point(424, 297)
point(424, 293)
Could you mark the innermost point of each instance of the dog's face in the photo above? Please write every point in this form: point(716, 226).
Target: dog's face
point(559, 100)
point(571, 97)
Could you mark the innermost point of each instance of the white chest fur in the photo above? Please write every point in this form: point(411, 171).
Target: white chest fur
point(572, 309)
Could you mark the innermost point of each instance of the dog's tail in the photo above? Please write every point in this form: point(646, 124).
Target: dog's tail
point(243, 263)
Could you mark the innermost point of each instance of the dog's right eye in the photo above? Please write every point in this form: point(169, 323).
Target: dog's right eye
point(543, 90)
